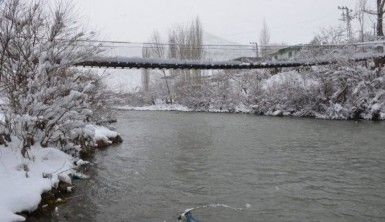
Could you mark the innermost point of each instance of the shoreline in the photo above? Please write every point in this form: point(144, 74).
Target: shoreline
point(50, 200)
point(181, 108)
point(35, 186)
point(59, 195)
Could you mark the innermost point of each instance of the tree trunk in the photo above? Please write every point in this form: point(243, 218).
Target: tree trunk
point(168, 87)
point(380, 19)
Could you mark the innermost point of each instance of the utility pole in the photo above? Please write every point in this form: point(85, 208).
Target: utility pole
point(347, 17)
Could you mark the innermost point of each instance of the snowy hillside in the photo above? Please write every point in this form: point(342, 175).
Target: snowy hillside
point(222, 49)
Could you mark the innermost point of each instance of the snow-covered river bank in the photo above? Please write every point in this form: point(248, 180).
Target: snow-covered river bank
point(23, 180)
point(239, 109)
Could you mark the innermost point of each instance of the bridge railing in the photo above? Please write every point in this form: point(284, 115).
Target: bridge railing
point(210, 52)
point(237, 52)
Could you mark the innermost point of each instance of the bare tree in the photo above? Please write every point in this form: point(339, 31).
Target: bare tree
point(186, 43)
point(156, 50)
point(196, 39)
point(361, 9)
point(264, 39)
point(145, 72)
point(380, 17)
point(348, 18)
point(329, 35)
point(379, 13)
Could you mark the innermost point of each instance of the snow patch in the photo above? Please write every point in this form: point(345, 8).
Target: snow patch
point(242, 108)
point(22, 180)
point(101, 133)
point(292, 78)
point(158, 107)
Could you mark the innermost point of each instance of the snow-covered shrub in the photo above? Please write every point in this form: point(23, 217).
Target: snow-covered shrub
point(287, 93)
point(356, 91)
point(193, 95)
point(342, 91)
point(48, 100)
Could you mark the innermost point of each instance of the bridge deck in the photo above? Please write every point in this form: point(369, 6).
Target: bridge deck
point(139, 63)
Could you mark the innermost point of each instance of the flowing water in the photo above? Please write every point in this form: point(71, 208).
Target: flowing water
point(274, 169)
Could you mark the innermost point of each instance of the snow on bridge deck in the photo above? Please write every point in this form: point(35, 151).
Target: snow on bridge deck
point(146, 63)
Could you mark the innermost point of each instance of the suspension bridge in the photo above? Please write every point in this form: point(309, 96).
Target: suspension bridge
point(128, 56)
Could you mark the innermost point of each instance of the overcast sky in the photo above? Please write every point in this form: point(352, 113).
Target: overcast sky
point(290, 21)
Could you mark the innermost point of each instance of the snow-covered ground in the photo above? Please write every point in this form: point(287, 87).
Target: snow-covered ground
point(22, 180)
point(241, 108)
point(177, 107)
point(158, 107)
point(238, 109)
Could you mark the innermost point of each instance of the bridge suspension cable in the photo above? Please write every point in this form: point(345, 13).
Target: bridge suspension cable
point(140, 44)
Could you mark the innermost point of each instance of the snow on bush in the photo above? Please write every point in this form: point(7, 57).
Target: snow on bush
point(286, 93)
point(340, 91)
point(48, 101)
point(331, 92)
point(101, 136)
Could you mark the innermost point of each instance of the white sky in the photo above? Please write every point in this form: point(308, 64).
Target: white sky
point(290, 21)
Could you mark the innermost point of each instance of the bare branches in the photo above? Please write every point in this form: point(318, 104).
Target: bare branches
point(361, 7)
point(185, 42)
point(379, 13)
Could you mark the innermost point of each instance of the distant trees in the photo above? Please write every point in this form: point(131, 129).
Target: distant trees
point(155, 49)
point(187, 43)
point(345, 90)
point(340, 91)
point(47, 100)
point(361, 8)
point(264, 39)
point(379, 13)
point(146, 72)
point(330, 35)
point(184, 43)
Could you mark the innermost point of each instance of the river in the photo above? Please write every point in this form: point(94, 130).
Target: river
point(275, 169)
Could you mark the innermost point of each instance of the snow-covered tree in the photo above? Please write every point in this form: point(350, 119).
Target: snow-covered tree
point(48, 100)
point(330, 35)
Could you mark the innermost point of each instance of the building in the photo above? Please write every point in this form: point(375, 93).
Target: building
point(286, 53)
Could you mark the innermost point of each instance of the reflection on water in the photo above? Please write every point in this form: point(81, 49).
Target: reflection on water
point(276, 169)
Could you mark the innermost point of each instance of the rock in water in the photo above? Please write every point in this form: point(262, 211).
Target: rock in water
point(65, 178)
